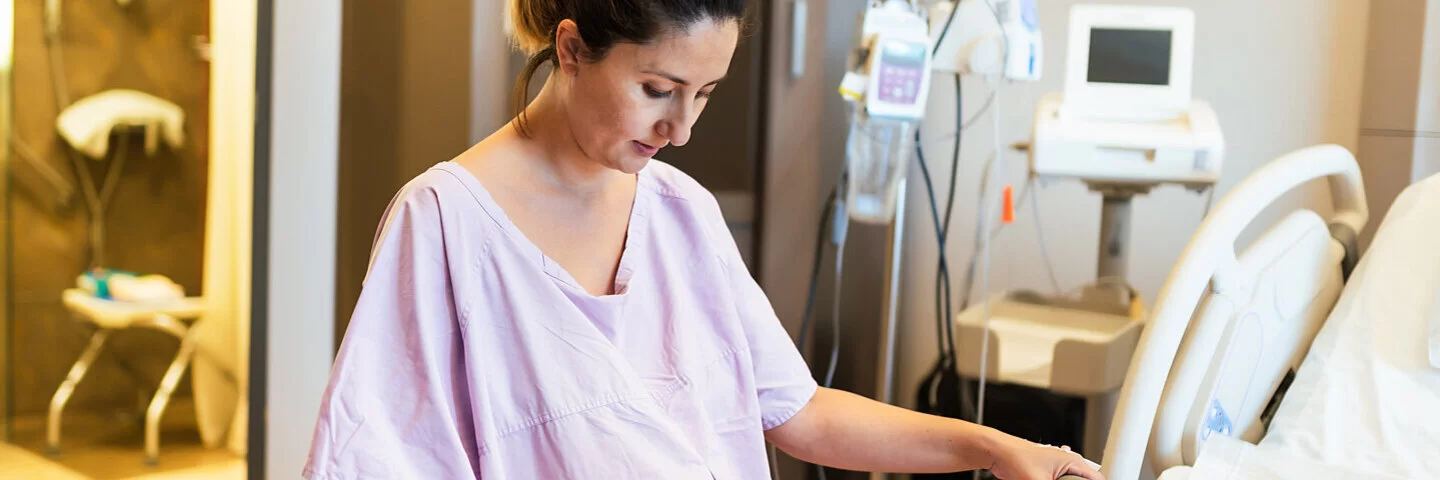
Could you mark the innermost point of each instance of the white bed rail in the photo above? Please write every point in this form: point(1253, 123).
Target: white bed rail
point(1211, 255)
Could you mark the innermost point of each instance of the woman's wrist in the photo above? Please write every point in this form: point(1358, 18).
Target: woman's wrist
point(983, 446)
point(975, 446)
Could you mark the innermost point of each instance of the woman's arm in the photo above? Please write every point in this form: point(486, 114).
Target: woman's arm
point(844, 430)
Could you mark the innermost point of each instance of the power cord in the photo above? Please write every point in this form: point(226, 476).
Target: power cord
point(833, 219)
point(944, 392)
point(974, 117)
point(942, 298)
point(840, 227)
point(825, 214)
point(1040, 236)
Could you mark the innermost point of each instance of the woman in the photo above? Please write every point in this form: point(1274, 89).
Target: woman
point(554, 304)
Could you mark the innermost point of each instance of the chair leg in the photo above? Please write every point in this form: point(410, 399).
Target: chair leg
point(162, 395)
point(67, 388)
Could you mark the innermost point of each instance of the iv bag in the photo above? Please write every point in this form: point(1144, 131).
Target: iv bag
point(876, 153)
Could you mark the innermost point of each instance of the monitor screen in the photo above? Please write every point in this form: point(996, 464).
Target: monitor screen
point(1129, 56)
point(903, 53)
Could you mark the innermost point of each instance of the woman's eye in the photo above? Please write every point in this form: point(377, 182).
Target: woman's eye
point(653, 93)
point(703, 94)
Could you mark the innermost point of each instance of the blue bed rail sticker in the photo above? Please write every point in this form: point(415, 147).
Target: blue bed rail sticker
point(1216, 421)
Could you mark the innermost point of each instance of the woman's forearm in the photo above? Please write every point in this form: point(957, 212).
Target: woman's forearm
point(843, 430)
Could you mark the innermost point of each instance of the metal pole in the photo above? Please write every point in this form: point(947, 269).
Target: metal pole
point(1114, 232)
point(1109, 293)
point(891, 306)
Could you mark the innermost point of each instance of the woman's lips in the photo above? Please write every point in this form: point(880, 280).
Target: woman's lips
point(645, 150)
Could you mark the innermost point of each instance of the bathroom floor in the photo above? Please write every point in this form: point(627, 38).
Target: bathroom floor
point(99, 447)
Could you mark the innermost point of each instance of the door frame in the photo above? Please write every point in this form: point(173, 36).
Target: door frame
point(297, 113)
point(7, 62)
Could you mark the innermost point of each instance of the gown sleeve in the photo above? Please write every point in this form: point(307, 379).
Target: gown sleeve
point(782, 379)
point(397, 404)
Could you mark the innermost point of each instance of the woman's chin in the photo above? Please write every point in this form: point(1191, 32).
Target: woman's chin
point(630, 164)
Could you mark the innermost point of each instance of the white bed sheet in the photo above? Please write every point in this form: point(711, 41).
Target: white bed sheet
point(1366, 401)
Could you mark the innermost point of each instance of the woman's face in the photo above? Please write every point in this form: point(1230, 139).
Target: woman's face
point(640, 98)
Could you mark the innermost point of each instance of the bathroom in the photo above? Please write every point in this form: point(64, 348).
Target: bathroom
point(125, 241)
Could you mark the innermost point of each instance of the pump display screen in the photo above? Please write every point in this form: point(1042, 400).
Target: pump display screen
point(1129, 56)
point(902, 65)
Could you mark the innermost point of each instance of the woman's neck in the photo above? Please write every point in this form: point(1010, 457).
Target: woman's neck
point(554, 157)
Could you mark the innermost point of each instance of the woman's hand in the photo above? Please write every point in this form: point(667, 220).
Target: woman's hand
point(1016, 459)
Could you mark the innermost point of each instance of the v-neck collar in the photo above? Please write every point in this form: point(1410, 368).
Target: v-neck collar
point(634, 233)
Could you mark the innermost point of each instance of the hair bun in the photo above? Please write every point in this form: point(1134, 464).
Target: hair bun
point(530, 23)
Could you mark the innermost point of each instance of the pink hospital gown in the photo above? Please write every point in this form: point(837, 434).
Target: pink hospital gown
point(471, 354)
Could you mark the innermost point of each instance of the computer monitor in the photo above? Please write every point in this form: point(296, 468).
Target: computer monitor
point(1129, 62)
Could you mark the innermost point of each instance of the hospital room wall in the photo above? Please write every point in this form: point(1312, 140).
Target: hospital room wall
point(156, 221)
point(1281, 75)
point(1400, 121)
point(405, 105)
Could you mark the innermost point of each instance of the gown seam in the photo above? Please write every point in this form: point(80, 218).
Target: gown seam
point(681, 381)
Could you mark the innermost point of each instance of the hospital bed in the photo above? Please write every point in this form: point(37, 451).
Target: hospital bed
point(1289, 360)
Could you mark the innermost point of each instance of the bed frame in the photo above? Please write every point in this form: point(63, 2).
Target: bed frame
point(1255, 314)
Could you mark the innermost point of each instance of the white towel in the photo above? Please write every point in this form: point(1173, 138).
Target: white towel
point(148, 288)
point(87, 124)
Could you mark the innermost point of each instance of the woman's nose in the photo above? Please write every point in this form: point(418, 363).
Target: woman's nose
point(678, 133)
point(676, 126)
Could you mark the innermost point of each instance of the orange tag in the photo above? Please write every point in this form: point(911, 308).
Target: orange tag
point(1007, 212)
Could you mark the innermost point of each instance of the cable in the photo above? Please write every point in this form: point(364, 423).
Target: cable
point(946, 335)
point(1027, 194)
point(989, 100)
point(945, 30)
point(974, 117)
point(825, 213)
point(1209, 196)
point(825, 221)
point(945, 329)
point(835, 313)
point(940, 239)
point(1040, 235)
point(973, 264)
point(841, 227)
point(945, 231)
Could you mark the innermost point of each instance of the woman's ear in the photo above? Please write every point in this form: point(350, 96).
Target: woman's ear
point(569, 47)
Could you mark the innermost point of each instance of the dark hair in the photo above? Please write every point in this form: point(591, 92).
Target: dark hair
point(602, 24)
